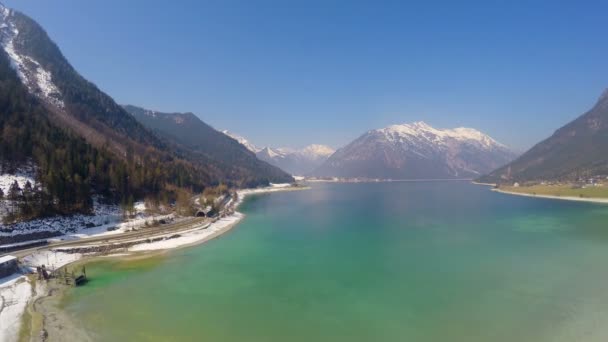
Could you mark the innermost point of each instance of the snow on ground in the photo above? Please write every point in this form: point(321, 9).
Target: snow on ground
point(241, 194)
point(52, 260)
point(202, 233)
point(105, 216)
point(22, 175)
point(107, 220)
point(15, 292)
point(140, 207)
point(193, 236)
point(280, 185)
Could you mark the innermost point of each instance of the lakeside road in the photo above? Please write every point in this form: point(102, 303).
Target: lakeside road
point(142, 236)
point(173, 228)
point(36, 301)
point(563, 198)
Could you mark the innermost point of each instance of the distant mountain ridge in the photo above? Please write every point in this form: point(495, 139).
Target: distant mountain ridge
point(417, 151)
point(576, 150)
point(297, 162)
point(203, 144)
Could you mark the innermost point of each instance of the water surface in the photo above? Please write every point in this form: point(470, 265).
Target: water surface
point(427, 261)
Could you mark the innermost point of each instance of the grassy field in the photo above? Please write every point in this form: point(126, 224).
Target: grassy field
point(564, 190)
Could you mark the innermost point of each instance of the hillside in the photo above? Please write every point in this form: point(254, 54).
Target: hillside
point(576, 150)
point(79, 141)
point(203, 145)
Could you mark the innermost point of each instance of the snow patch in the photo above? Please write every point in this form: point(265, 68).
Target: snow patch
point(421, 131)
point(315, 151)
point(251, 147)
point(36, 78)
point(207, 231)
point(15, 292)
point(22, 175)
point(191, 237)
point(52, 260)
point(105, 217)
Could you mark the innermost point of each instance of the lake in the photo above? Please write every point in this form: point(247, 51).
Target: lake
point(402, 261)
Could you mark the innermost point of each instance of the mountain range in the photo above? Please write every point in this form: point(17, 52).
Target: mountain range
point(576, 150)
point(295, 161)
point(202, 143)
point(417, 151)
point(83, 143)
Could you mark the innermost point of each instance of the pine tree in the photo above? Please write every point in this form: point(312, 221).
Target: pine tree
point(14, 191)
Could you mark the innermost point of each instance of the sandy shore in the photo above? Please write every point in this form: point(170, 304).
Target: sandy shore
point(485, 184)
point(34, 310)
point(564, 198)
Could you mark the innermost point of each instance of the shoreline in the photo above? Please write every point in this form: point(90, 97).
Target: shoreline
point(563, 198)
point(381, 180)
point(37, 317)
point(481, 183)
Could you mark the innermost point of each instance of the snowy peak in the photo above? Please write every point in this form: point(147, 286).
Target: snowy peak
point(34, 76)
point(5, 11)
point(251, 147)
point(416, 151)
point(295, 161)
point(423, 132)
point(272, 153)
point(317, 151)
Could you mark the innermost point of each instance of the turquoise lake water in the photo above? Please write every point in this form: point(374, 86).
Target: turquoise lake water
point(417, 261)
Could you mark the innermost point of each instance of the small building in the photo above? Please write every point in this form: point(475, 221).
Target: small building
point(8, 265)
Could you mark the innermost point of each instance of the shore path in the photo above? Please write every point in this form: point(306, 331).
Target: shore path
point(140, 234)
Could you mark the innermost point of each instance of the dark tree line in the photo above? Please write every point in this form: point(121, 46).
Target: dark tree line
point(69, 170)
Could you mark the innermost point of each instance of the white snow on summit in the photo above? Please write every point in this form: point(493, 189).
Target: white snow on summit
point(421, 131)
point(315, 151)
point(251, 147)
point(37, 79)
point(292, 160)
point(271, 153)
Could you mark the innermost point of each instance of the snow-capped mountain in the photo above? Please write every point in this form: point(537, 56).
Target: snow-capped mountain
point(251, 147)
point(72, 101)
point(36, 78)
point(295, 161)
point(316, 152)
point(51, 114)
point(417, 151)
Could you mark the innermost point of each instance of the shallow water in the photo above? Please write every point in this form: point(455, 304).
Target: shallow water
point(427, 261)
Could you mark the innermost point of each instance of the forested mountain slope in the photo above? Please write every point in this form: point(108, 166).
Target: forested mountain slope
point(203, 144)
point(577, 150)
point(81, 142)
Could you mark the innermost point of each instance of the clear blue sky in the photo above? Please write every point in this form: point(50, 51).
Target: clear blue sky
point(290, 73)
